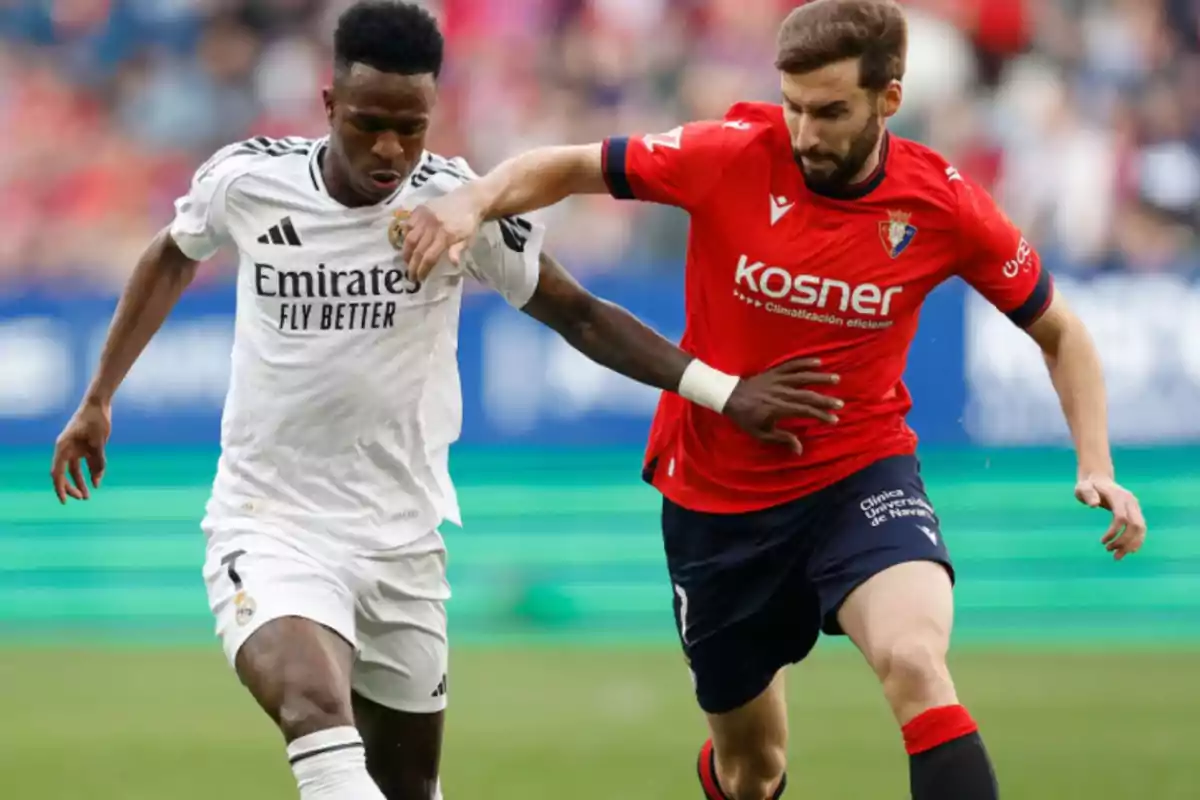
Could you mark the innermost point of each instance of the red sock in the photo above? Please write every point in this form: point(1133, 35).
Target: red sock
point(935, 727)
point(706, 766)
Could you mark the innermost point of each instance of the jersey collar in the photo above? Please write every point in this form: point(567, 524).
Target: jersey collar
point(314, 166)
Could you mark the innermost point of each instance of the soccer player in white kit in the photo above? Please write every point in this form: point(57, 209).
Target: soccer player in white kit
point(325, 568)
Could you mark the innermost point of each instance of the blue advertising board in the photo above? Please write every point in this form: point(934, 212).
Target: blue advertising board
point(1147, 329)
point(974, 377)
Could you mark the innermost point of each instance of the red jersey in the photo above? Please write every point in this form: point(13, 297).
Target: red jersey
point(777, 272)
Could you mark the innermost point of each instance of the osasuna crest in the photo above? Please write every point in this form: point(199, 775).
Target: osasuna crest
point(896, 233)
point(396, 229)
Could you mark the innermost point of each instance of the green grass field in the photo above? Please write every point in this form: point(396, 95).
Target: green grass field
point(566, 681)
point(598, 723)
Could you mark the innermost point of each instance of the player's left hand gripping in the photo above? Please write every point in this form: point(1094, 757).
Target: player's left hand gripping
point(442, 227)
point(1128, 529)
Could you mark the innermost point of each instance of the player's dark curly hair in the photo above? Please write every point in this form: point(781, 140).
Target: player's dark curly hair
point(390, 36)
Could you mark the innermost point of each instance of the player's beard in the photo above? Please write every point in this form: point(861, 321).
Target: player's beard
point(846, 167)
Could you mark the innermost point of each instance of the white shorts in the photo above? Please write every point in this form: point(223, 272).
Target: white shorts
point(389, 606)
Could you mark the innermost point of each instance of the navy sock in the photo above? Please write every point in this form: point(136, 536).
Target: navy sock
point(947, 759)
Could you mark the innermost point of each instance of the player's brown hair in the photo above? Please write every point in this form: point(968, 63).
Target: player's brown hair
point(823, 32)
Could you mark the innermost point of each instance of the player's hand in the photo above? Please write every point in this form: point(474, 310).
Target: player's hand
point(758, 403)
point(1128, 529)
point(83, 439)
point(442, 226)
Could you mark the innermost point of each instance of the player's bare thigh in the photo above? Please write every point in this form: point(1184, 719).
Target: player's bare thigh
point(299, 672)
point(751, 743)
point(901, 620)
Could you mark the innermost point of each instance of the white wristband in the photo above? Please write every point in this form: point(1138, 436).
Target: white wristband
point(706, 386)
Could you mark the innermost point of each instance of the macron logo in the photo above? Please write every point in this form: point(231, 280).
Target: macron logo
point(779, 207)
point(952, 175)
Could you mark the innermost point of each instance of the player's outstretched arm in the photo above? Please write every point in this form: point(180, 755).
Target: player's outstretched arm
point(539, 178)
point(161, 275)
point(1001, 264)
point(527, 182)
point(1078, 379)
point(614, 338)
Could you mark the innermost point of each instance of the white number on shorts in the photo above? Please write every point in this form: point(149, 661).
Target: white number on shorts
point(230, 563)
point(682, 612)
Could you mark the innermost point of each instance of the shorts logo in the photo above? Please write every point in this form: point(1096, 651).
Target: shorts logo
point(897, 234)
point(245, 606)
point(441, 689)
point(881, 508)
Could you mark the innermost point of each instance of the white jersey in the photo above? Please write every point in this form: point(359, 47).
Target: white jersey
point(344, 395)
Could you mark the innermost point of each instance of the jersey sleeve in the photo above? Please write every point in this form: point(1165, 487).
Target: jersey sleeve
point(506, 253)
point(676, 168)
point(506, 256)
point(199, 227)
point(997, 260)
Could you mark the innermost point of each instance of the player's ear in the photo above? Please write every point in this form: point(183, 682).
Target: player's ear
point(891, 98)
point(327, 100)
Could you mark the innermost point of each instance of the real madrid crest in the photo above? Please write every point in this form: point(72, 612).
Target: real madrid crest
point(396, 228)
point(897, 234)
point(245, 608)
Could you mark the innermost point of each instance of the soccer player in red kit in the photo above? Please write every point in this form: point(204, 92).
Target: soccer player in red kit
point(814, 233)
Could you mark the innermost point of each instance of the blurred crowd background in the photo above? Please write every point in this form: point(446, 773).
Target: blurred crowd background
point(1077, 113)
point(1083, 116)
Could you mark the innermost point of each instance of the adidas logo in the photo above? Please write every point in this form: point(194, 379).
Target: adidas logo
point(440, 691)
point(281, 233)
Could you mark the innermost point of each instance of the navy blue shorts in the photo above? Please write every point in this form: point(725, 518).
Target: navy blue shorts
point(754, 591)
